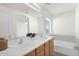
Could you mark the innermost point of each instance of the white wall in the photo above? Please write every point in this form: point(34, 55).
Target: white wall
point(22, 29)
point(41, 28)
point(64, 24)
point(77, 21)
point(7, 23)
point(21, 25)
point(77, 25)
point(33, 24)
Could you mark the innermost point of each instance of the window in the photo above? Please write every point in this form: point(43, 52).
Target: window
point(48, 25)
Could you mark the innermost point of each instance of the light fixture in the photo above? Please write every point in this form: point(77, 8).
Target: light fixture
point(37, 6)
point(33, 6)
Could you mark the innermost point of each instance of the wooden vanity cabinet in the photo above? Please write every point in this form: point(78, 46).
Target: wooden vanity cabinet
point(51, 47)
point(32, 53)
point(3, 44)
point(47, 49)
point(40, 51)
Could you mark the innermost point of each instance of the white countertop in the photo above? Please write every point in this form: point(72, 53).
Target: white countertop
point(26, 47)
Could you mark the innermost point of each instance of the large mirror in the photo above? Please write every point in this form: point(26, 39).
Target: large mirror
point(22, 25)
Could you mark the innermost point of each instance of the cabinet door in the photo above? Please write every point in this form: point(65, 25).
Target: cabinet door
point(47, 49)
point(3, 44)
point(40, 51)
point(32, 53)
point(51, 47)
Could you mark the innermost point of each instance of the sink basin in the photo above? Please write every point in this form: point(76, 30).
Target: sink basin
point(16, 43)
point(13, 43)
point(26, 41)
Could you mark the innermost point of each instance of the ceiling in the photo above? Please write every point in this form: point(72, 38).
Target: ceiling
point(58, 8)
point(53, 8)
point(17, 6)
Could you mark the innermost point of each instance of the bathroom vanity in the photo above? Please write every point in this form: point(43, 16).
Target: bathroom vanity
point(47, 49)
point(31, 47)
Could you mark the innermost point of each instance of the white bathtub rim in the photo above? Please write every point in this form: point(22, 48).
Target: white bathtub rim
point(64, 44)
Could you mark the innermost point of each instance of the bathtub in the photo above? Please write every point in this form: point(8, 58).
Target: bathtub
point(65, 47)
